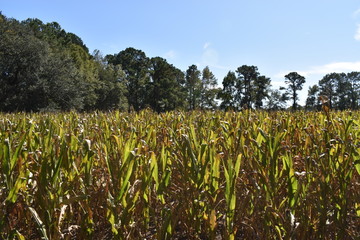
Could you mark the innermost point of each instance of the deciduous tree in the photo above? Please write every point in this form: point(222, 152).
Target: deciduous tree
point(136, 66)
point(167, 90)
point(111, 92)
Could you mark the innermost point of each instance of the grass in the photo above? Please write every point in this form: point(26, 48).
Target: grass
point(180, 175)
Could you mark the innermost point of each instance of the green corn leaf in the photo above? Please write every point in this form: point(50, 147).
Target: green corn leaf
point(13, 194)
point(111, 219)
point(227, 179)
point(20, 236)
point(215, 172)
point(357, 166)
point(294, 190)
point(260, 138)
point(125, 183)
point(154, 170)
point(17, 152)
point(232, 204)
point(58, 164)
point(6, 169)
point(193, 136)
point(238, 164)
point(19, 184)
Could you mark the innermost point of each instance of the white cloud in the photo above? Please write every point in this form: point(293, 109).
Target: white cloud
point(170, 54)
point(334, 67)
point(206, 45)
point(325, 69)
point(357, 34)
point(356, 13)
point(210, 57)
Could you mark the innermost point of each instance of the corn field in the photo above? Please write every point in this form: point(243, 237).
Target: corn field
point(180, 175)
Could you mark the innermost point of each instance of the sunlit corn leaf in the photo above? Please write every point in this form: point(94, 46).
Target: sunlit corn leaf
point(39, 223)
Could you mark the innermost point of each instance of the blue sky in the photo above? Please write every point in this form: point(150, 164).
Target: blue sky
point(312, 37)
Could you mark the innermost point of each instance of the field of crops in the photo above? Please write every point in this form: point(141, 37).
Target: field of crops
point(179, 175)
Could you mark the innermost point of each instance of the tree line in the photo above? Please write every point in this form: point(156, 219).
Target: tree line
point(339, 90)
point(45, 68)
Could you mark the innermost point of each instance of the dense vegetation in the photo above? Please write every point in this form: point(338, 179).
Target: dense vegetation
point(166, 173)
point(45, 68)
point(180, 175)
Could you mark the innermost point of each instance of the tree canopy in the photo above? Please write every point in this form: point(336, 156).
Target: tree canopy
point(295, 83)
point(45, 68)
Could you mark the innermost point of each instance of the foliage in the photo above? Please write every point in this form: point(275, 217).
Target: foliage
point(21, 53)
point(112, 90)
point(209, 91)
point(353, 79)
point(136, 65)
point(328, 87)
point(247, 76)
point(295, 82)
point(276, 100)
point(342, 90)
point(312, 101)
point(261, 91)
point(227, 94)
point(180, 175)
point(45, 68)
point(247, 90)
point(167, 91)
point(193, 87)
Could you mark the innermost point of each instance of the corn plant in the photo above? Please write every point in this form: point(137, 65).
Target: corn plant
point(180, 175)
